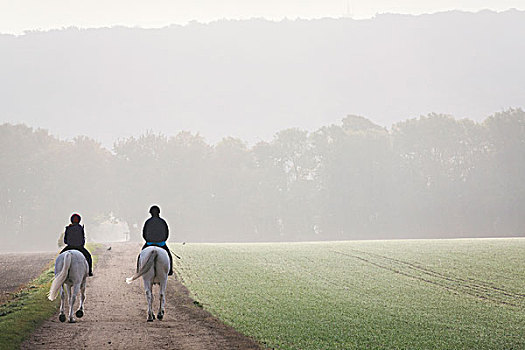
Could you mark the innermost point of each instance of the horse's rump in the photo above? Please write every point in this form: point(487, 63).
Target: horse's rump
point(74, 267)
point(148, 259)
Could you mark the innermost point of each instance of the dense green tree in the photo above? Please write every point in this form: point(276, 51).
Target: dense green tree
point(433, 176)
point(44, 180)
point(505, 170)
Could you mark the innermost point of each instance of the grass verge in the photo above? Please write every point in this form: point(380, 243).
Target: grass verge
point(29, 307)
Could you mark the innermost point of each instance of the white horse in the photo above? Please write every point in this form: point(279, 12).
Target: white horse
point(71, 269)
point(154, 264)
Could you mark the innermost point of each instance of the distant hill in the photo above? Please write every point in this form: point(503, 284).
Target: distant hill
point(251, 78)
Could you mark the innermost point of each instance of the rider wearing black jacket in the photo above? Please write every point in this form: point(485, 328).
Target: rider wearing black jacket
point(156, 232)
point(75, 238)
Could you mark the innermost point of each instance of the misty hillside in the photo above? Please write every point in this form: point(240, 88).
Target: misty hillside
point(250, 78)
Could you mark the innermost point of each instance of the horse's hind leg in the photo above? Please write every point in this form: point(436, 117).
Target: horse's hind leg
point(80, 311)
point(62, 316)
point(72, 299)
point(162, 298)
point(149, 295)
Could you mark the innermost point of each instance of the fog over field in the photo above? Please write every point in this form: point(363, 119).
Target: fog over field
point(398, 126)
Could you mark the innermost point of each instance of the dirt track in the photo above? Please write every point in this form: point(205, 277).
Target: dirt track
point(115, 315)
point(17, 269)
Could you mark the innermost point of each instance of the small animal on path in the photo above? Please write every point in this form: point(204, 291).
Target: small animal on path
point(71, 271)
point(153, 268)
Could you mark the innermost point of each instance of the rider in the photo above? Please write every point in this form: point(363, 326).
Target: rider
point(75, 238)
point(156, 233)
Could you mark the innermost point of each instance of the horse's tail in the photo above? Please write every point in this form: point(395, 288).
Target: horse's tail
point(59, 279)
point(150, 260)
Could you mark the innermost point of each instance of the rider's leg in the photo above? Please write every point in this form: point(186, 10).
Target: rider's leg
point(88, 258)
point(167, 249)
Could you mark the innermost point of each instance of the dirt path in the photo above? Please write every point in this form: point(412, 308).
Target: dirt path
point(17, 269)
point(115, 315)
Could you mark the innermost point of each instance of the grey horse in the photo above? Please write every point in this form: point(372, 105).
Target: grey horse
point(71, 270)
point(154, 264)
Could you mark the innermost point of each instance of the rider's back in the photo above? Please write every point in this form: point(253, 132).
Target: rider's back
point(155, 230)
point(74, 235)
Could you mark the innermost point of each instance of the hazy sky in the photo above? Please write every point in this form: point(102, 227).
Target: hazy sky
point(19, 15)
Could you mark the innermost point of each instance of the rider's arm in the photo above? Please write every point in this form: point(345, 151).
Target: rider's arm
point(167, 231)
point(144, 231)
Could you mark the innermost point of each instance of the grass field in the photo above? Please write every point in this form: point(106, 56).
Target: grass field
point(413, 294)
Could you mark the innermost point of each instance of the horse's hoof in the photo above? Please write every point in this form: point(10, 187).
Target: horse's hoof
point(150, 320)
point(79, 313)
point(62, 318)
point(72, 320)
point(160, 316)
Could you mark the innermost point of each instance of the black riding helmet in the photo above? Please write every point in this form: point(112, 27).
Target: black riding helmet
point(154, 210)
point(75, 218)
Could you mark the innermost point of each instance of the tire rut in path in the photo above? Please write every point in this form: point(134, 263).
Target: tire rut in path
point(115, 315)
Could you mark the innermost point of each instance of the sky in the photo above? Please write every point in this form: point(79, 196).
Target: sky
point(17, 16)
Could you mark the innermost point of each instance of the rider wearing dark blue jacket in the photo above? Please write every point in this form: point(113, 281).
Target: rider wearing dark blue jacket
point(156, 232)
point(75, 238)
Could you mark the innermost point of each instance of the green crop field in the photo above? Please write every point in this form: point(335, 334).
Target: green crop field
point(411, 294)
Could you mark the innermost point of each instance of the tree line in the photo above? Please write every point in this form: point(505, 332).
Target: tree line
point(433, 176)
